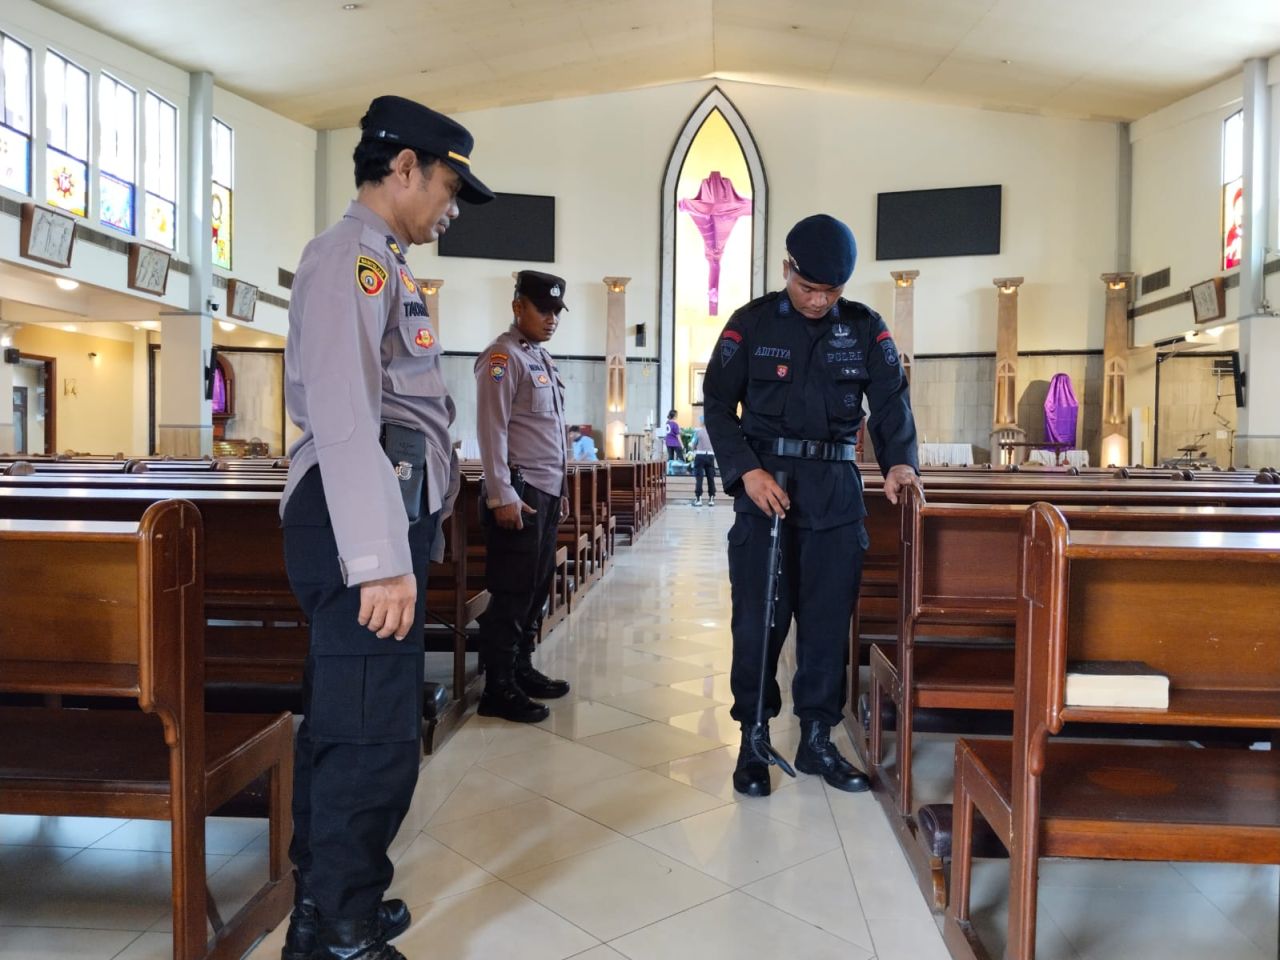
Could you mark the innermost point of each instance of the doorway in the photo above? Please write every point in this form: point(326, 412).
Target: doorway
point(34, 405)
point(20, 419)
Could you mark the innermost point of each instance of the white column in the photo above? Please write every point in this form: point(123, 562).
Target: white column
point(6, 395)
point(615, 368)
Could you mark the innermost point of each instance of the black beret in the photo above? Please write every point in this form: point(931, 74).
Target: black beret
point(405, 123)
point(822, 250)
point(544, 290)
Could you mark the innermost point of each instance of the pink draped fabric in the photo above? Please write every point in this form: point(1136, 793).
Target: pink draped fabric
point(715, 210)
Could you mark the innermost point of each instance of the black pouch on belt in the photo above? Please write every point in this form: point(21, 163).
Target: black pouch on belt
point(407, 450)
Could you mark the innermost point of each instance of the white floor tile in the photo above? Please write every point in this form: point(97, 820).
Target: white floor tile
point(55, 831)
point(480, 792)
point(616, 889)
point(564, 764)
point(735, 844)
point(491, 922)
point(820, 892)
point(636, 802)
point(223, 835)
point(909, 940)
point(660, 703)
point(651, 743)
point(54, 943)
point(586, 718)
point(668, 671)
point(428, 870)
point(522, 838)
point(730, 928)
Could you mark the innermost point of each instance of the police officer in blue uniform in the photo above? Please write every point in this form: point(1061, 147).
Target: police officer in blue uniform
point(370, 481)
point(799, 362)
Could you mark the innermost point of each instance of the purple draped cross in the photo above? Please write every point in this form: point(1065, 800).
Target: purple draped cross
point(1060, 408)
point(715, 210)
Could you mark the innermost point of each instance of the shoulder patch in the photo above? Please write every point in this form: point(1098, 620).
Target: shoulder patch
point(370, 276)
point(497, 366)
point(885, 339)
point(407, 280)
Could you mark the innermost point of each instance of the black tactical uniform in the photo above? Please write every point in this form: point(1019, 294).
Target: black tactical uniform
point(801, 385)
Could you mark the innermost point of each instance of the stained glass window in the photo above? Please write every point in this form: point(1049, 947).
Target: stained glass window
point(160, 121)
point(67, 122)
point(117, 153)
point(223, 170)
point(15, 115)
point(1233, 190)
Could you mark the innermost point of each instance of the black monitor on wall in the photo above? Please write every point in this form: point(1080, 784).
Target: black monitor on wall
point(512, 226)
point(955, 222)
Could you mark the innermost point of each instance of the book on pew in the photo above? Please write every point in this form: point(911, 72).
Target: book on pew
point(1116, 683)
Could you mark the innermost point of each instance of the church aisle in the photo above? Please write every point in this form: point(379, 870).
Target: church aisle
point(612, 829)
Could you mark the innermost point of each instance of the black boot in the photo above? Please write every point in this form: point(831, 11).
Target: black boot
point(503, 698)
point(536, 683)
point(751, 775)
point(353, 940)
point(818, 755)
point(300, 941)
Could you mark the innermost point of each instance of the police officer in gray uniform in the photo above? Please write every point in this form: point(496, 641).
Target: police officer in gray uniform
point(799, 362)
point(521, 429)
point(370, 481)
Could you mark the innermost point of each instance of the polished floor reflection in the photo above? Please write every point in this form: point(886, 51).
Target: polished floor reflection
point(612, 829)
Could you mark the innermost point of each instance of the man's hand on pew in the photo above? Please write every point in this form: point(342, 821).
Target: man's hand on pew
point(386, 606)
point(765, 492)
point(508, 516)
point(897, 478)
point(564, 509)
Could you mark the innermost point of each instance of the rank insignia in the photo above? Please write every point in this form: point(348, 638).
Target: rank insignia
point(370, 276)
point(394, 247)
point(783, 370)
point(408, 281)
point(424, 338)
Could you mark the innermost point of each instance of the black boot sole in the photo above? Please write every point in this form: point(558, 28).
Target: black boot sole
point(860, 785)
point(390, 934)
point(532, 716)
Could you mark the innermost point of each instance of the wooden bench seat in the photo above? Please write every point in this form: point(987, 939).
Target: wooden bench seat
point(1200, 607)
point(116, 610)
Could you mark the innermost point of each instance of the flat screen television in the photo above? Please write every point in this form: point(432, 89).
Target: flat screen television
point(954, 222)
point(512, 226)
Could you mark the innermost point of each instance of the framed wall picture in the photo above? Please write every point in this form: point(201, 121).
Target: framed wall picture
point(242, 298)
point(696, 372)
point(46, 235)
point(148, 269)
point(1209, 300)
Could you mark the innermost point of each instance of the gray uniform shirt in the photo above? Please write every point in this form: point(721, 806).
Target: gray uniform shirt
point(520, 418)
point(362, 350)
point(701, 441)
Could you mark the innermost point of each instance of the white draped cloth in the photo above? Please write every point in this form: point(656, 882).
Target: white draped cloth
point(952, 454)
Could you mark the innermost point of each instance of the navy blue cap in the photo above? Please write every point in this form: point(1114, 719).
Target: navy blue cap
point(544, 290)
point(822, 250)
point(408, 124)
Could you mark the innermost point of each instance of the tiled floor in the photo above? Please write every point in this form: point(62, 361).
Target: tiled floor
point(612, 830)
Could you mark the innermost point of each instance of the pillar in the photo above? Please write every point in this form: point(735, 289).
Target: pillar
point(1115, 370)
point(615, 364)
point(904, 316)
point(185, 427)
point(1006, 405)
point(6, 395)
point(431, 297)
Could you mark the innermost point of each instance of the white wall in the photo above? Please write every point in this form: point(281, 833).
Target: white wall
point(603, 158)
point(273, 203)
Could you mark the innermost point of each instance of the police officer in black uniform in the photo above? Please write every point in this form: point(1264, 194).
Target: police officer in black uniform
point(370, 481)
point(800, 362)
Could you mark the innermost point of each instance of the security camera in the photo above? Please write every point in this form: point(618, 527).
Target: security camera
point(214, 306)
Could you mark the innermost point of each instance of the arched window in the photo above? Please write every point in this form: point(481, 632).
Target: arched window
point(714, 256)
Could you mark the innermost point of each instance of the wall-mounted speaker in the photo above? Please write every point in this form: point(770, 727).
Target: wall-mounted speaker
point(12, 355)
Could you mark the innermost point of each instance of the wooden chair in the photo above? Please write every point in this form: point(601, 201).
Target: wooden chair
point(116, 610)
point(1199, 607)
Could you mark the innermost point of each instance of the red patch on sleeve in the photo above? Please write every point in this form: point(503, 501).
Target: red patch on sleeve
point(884, 335)
point(733, 335)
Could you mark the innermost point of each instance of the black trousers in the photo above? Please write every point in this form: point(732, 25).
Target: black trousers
point(518, 567)
point(359, 747)
point(704, 465)
point(820, 575)
point(675, 453)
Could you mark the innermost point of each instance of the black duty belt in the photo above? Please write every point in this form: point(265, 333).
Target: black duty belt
point(805, 449)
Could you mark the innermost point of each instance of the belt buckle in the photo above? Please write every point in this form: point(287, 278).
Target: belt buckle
point(813, 449)
point(404, 471)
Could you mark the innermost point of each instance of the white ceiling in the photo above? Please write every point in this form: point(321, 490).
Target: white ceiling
point(319, 64)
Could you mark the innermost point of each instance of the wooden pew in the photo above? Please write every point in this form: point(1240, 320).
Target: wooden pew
point(626, 497)
point(1201, 608)
point(115, 610)
point(576, 540)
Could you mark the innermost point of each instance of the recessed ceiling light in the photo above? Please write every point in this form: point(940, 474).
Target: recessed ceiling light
point(150, 325)
point(1006, 62)
point(65, 284)
point(69, 327)
point(226, 326)
point(351, 6)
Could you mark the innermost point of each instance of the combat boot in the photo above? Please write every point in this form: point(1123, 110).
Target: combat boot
point(536, 683)
point(300, 940)
point(352, 940)
point(751, 775)
point(819, 756)
point(505, 699)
